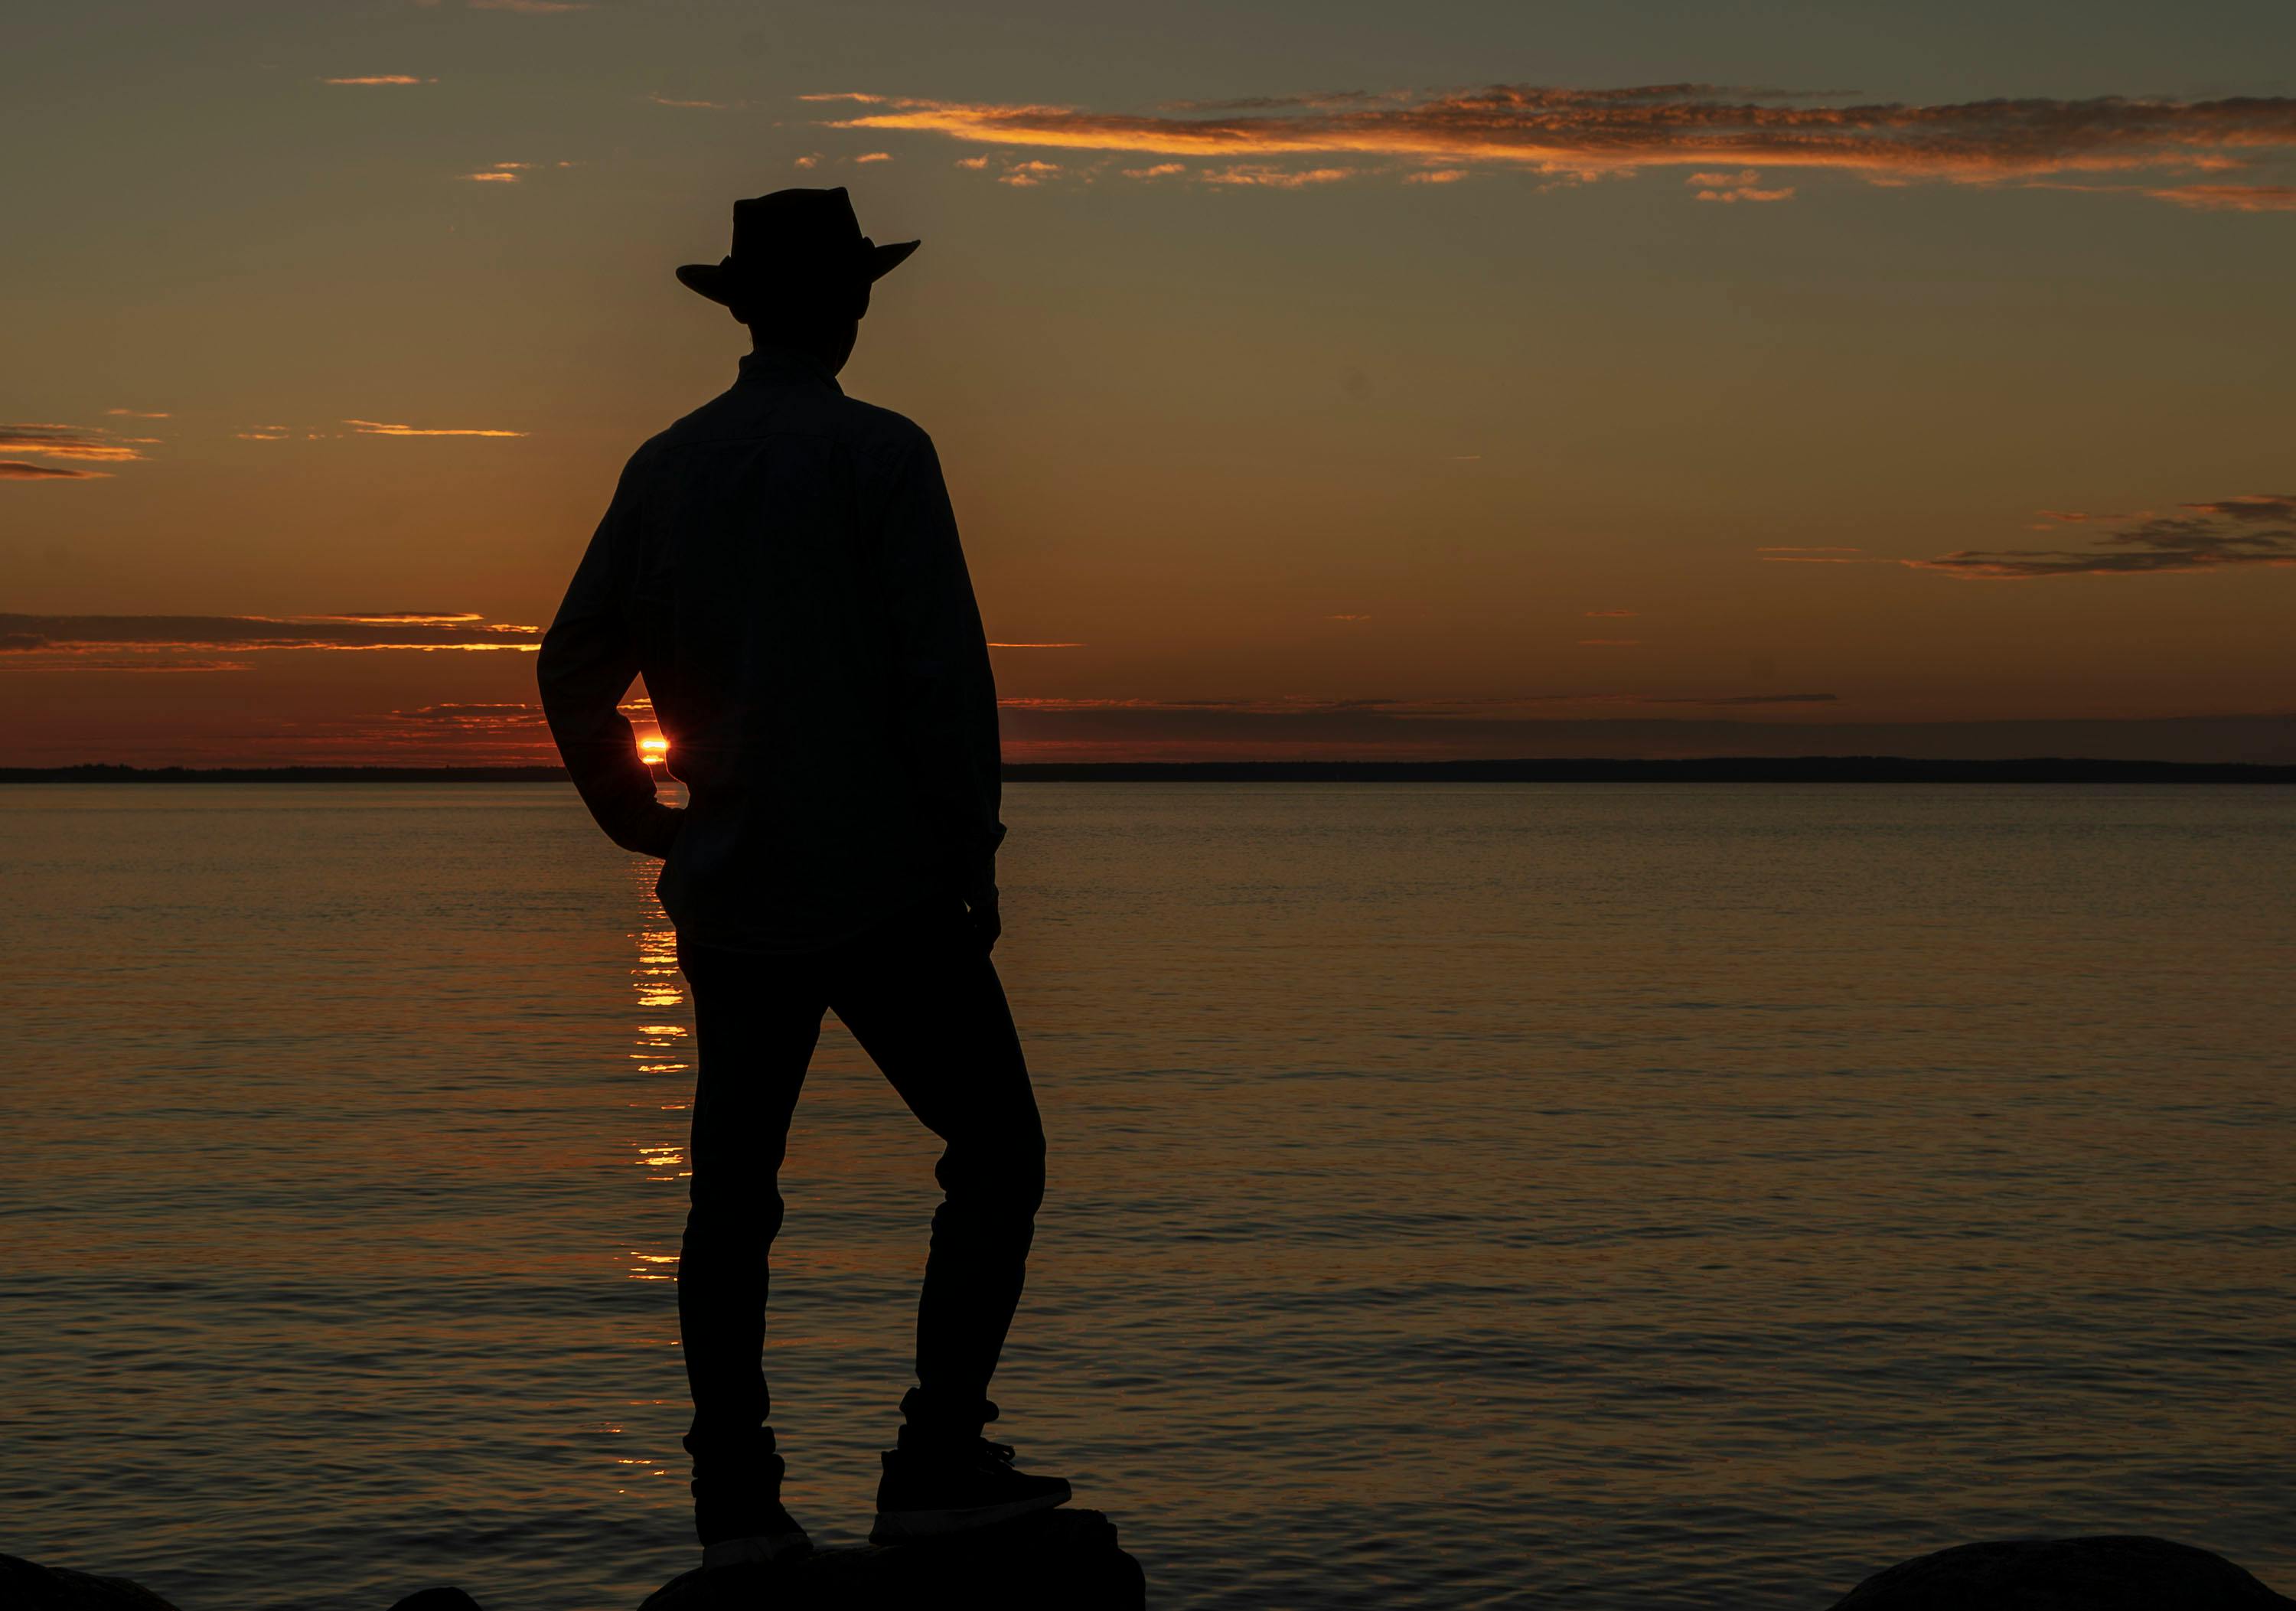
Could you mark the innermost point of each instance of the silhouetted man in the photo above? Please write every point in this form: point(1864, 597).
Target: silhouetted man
point(782, 566)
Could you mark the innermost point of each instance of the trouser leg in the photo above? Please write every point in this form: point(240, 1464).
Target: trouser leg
point(923, 999)
point(756, 1021)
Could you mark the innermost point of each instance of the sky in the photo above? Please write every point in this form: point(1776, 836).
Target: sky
point(1331, 379)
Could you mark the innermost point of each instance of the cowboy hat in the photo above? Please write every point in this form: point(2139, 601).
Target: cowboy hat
point(793, 240)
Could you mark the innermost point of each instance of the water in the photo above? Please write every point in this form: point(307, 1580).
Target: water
point(1632, 1196)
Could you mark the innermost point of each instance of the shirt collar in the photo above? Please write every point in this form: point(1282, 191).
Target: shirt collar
point(777, 365)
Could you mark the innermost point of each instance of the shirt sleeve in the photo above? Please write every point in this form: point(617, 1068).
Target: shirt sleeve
point(589, 658)
point(945, 693)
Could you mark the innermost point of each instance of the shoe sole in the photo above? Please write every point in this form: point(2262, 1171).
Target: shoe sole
point(916, 1527)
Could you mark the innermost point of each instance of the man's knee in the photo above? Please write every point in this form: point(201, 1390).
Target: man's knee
point(733, 1210)
point(1005, 1178)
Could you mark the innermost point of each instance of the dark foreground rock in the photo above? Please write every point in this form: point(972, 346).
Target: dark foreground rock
point(1058, 1560)
point(2128, 1574)
point(27, 1586)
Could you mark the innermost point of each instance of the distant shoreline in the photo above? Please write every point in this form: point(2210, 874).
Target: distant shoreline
point(1719, 768)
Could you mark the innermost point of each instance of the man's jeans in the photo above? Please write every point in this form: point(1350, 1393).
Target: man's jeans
point(921, 996)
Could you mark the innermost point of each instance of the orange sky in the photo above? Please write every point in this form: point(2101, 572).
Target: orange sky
point(1879, 372)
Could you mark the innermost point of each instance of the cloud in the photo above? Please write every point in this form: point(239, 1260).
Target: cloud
point(1436, 175)
point(2256, 529)
point(124, 642)
point(71, 442)
point(1027, 174)
point(472, 718)
point(1279, 178)
point(875, 156)
point(813, 161)
point(1581, 133)
point(16, 470)
point(2231, 198)
point(377, 428)
point(1160, 170)
point(136, 413)
point(977, 163)
point(1737, 187)
point(381, 79)
point(690, 105)
point(506, 173)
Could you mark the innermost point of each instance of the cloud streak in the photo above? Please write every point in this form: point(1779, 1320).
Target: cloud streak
point(17, 470)
point(1585, 134)
point(2256, 529)
point(92, 442)
point(2230, 198)
point(157, 642)
point(379, 79)
point(379, 428)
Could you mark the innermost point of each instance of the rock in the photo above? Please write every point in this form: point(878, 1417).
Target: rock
point(2119, 1574)
point(26, 1586)
point(1056, 1560)
point(436, 1600)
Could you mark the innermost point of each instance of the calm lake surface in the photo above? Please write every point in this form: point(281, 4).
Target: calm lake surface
point(1606, 1197)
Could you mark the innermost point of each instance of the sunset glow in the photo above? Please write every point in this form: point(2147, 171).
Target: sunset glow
point(1909, 383)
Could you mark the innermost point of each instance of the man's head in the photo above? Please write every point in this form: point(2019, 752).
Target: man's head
point(820, 322)
point(800, 272)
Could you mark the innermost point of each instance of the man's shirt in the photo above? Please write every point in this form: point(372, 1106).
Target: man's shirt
point(782, 566)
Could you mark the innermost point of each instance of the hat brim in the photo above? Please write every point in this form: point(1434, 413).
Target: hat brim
point(720, 283)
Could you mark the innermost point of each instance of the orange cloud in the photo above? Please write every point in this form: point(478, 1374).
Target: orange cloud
point(136, 413)
point(875, 156)
point(52, 642)
point(1436, 175)
point(377, 428)
point(1586, 133)
point(693, 105)
point(1026, 174)
point(2254, 529)
point(70, 442)
point(975, 163)
point(1157, 171)
point(1737, 187)
point(2231, 198)
point(1279, 178)
point(381, 79)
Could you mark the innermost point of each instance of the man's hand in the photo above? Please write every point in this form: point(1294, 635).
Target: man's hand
point(981, 912)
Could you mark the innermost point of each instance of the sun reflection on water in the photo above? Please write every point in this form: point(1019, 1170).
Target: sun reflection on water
point(661, 1052)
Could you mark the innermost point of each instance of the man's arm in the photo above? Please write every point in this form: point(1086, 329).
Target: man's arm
point(945, 694)
point(589, 658)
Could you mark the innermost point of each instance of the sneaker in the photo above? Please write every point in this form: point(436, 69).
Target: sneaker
point(932, 1493)
point(768, 1536)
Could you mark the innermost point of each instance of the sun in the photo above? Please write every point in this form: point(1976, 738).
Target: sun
point(653, 747)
